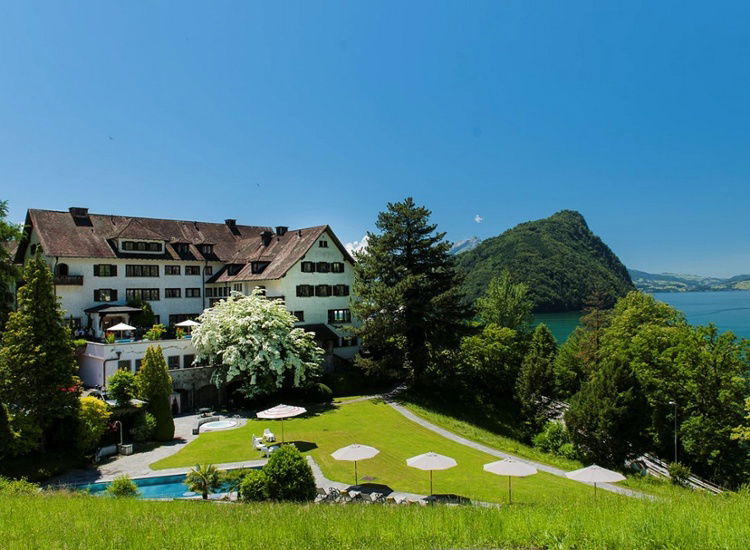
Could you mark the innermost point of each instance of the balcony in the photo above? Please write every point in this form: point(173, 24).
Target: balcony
point(68, 280)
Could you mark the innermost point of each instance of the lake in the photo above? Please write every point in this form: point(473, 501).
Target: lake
point(727, 310)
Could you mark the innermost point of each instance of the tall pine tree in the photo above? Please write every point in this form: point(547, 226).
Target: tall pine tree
point(409, 300)
point(155, 387)
point(38, 370)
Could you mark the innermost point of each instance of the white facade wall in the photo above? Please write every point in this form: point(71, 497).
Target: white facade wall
point(93, 370)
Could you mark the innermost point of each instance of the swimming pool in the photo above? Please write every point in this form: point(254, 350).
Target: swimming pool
point(169, 487)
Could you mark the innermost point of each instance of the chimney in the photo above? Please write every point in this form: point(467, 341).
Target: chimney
point(232, 225)
point(265, 237)
point(78, 212)
point(281, 230)
point(80, 216)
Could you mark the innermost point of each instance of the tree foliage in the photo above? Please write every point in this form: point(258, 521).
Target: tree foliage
point(122, 387)
point(204, 479)
point(253, 341)
point(9, 233)
point(409, 298)
point(535, 385)
point(559, 258)
point(122, 487)
point(155, 387)
point(92, 422)
point(38, 370)
point(506, 304)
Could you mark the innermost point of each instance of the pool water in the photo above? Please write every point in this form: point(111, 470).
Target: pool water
point(172, 486)
point(218, 425)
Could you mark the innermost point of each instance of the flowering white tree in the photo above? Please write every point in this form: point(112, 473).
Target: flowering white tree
point(253, 340)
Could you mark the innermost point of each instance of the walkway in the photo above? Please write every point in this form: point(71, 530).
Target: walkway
point(494, 452)
point(138, 464)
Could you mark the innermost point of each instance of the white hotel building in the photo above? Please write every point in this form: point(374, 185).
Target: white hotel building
point(181, 268)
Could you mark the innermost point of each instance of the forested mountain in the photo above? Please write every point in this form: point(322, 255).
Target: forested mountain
point(559, 258)
point(674, 282)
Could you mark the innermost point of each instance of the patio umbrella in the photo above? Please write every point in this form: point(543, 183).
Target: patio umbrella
point(188, 323)
point(281, 412)
point(431, 461)
point(511, 468)
point(595, 474)
point(120, 327)
point(353, 453)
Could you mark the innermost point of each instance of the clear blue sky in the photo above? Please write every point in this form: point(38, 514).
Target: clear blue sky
point(282, 113)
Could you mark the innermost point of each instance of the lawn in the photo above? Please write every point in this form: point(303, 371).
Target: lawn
point(85, 522)
point(397, 438)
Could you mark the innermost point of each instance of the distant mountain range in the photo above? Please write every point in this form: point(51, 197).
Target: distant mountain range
point(676, 282)
point(559, 258)
point(465, 245)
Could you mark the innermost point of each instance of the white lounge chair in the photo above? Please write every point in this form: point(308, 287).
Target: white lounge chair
point(268, 435)
point(258, 443)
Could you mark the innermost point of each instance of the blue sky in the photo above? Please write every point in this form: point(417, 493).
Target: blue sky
point(283, 113)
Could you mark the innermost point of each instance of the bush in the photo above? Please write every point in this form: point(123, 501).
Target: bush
point(678, 473)
point(16, 487)
point(554, 438)
point(155, 385)
point(145, 430)
point(320, 393)
point(155, 332)
point(122, 487)
point(254, 486)
point(122, 387)
point(289, 476)
point(92, 422)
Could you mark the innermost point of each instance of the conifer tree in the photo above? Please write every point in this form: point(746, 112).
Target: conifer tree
point(37, 367)
point(536, 381)
point(155, 387)
point(409, 298)
point(8, 270)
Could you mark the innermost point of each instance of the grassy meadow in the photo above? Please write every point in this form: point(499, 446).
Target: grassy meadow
point(397, 438)
point(692, 521)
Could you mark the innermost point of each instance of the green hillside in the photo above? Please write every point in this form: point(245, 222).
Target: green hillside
point(559, 257)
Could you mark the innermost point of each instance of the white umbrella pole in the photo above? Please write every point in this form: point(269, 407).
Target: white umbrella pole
point(595, 489)
point(430, 482)
point(282, 431)
point(355, 473)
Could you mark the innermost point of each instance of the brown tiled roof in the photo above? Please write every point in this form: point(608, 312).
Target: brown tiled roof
point(95, 236)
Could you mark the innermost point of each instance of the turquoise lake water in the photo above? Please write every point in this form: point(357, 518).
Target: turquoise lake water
point(727, 310)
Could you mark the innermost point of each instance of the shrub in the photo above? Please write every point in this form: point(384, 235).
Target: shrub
point(145, 430)
point(155, 387)
point(204, 479)
point(92, 422)
point(122, 487)
point(162, 412)
point(155, 332)
point(16, 487)
point(6, 434)
point(678, 473)
point(289, 476)
point(254, 486)
point(554, 438)
point(122, 387)
point(320, 393)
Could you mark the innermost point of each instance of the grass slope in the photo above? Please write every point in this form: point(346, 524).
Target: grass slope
point(73, 522)
point(377, 424)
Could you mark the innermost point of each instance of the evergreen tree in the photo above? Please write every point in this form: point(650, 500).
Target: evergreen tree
point(155, 387)
point(37, 367)
point(410, 302)
point(536, 381)
point(6, 435)
point(8, 270)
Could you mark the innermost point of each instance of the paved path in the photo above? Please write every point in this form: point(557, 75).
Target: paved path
point(138, 464)
point(494, 452)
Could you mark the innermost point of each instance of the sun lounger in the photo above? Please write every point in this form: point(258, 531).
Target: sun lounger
point(268, 435)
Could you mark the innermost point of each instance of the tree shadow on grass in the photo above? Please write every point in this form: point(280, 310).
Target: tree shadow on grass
point(448, 498)
point(303, 446)
point(368, 488)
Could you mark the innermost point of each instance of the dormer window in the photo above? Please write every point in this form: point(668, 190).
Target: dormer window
point(258, 267)
point(141, 246)
point(233, 269)
point(181, 248)
point(206, 249)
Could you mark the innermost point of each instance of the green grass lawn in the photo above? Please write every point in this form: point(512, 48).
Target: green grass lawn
point(397, 438)
point(85, 522)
